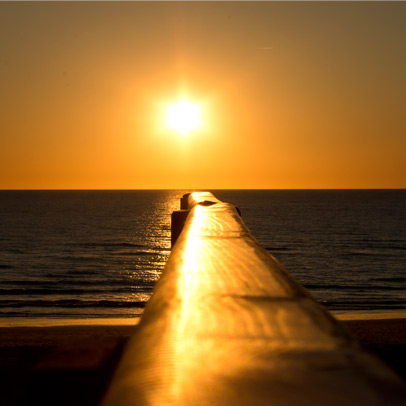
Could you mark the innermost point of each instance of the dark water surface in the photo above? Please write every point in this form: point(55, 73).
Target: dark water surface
point(80, 254)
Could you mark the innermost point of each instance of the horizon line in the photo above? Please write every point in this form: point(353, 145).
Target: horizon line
point(193, 189)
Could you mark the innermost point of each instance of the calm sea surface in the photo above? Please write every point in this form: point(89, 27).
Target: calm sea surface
point(98, 254)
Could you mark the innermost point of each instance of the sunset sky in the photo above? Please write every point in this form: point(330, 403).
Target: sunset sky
point(291, 95)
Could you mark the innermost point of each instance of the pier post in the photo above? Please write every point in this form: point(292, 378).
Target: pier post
point(184, 205)
point(178, 218)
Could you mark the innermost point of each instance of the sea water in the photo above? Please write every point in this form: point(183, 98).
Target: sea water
point(98, 254)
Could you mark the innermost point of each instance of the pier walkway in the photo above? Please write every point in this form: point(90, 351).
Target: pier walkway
point(227, 325)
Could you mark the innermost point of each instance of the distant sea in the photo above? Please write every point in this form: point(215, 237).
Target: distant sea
point(98, 254)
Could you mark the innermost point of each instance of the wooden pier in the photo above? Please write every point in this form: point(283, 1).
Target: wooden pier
point(227, 325)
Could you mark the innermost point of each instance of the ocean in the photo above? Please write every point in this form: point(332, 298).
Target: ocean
point(98, 254)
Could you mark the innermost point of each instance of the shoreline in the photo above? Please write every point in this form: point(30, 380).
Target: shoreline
point(368, 314)
point(343, 316)
point(62, 322)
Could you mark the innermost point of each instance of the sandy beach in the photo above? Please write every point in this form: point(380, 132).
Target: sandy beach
point(70, 362)
point(59, 365)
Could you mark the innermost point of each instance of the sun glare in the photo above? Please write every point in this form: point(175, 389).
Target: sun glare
point(183, 117)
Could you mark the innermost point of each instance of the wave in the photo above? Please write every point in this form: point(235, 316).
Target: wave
point(135, 253)
point(68, 283)
point(272, 249)
point(106, 244)
point(72, 303)
point(364, 305)
point(99, 291)
point(381, 254)
point(389, 279)
point(75, 272)
point(352, 287)
point(68, 314)
point(387, 247)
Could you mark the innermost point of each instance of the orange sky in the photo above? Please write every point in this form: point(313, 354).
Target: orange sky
point(293, 95)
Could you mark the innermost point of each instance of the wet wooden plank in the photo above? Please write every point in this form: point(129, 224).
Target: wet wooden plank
point(227, 325)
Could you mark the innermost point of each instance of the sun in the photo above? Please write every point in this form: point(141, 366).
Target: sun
point(183, 117)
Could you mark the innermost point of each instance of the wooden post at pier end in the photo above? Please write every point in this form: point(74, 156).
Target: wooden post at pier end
point(227, 325)
point(178, 218)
